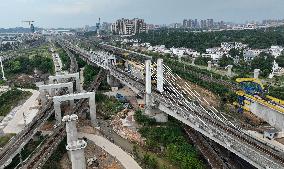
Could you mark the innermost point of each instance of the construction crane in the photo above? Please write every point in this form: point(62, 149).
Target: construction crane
point(31, 25)
point(28, 22)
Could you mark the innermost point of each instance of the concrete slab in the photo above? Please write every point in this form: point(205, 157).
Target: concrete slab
point(260, 137)
point(125, 159)
point(29, 109)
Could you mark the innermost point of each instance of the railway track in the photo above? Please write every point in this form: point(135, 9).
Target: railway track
point(233, 132)
point(17, 143)
point(239, 135)
point(46, 150)
point(278, 156)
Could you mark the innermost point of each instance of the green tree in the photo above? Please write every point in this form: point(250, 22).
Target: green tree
point(280, 60)
point(225, 61)
point(202, 61)
point(15, 66)
point(264, 62)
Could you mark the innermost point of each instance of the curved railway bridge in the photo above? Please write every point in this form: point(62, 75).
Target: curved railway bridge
point(231, 137)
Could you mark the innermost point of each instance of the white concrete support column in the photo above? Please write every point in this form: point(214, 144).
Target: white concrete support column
point(209, 67)
point(229, 72)
point(160, 75)
point(71, 129)
point(93, 111)
point(148, 99)
point(78, 87)
point(109, 79)
point(74, 146)
point(148, 76)
point(71, 102)
point(82, 78)
point(256, 73)
point(42, 97)
point(57, 110)
point(126, 65)
point(2, 69)
point(179, 58)
point(67, 76)
point(50, 81)
point(52, 92)
point(193, 61)
point(112, 81)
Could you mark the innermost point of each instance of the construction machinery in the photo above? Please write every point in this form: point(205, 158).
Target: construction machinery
point(252, 90)
point(32, 28)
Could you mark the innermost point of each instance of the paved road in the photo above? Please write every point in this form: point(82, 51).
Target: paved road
point(126, 160)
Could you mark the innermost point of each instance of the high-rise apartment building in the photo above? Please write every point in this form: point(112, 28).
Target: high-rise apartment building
point(188, 23)
point(203, 23)
point(210, 23)
point(129, 26)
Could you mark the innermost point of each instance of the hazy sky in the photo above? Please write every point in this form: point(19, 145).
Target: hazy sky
point(77, 13)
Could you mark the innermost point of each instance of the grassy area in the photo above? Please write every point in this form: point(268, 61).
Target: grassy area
point(90, 74)
point(107, 106)
point(64, 58)
point(38, 58)
point(168, 141)
point(10, 99)
point(5, 139)
point(277, 92)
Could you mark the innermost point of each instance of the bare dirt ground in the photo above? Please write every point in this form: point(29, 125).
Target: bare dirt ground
point(104, 160)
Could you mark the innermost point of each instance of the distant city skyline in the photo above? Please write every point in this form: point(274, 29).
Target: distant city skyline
point(73, 13)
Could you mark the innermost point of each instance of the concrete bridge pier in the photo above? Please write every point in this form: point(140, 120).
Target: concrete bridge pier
point(126, 65)
point(43, 98)
point(256, 73)
point(209, 67)
point(160, 76)
point(112, 81)
point(93, 111)
point(59, 79)
point(148, 81)
point(82, 78)
point(149, 110)
point(74, 146)
point(229, 72)
point(57, 111)
point(71, 97)
point(52, 90)
point(193, 61)
point(71, 102)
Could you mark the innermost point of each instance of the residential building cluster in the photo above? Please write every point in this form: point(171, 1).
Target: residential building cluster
point(10, 38)
point(210, 24)
point(249, 54)
point(129, 26)
point(215, 53)
point(202, 24)
point(174, 52)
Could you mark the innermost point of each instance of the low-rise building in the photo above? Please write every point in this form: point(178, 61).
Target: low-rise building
point(276, 51)
point(250, 54)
